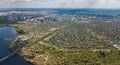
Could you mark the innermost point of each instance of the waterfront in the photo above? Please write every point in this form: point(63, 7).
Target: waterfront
point(7, 35)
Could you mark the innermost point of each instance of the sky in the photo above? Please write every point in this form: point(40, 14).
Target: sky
point(115, 4)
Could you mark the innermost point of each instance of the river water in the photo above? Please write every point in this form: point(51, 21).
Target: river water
point(7, 35)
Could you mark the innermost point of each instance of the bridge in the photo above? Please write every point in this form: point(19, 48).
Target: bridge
point(7, 57)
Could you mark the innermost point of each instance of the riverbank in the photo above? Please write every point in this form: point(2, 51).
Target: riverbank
point(13, 45)
point(20, 41)
point(3, 25)
point(8, 34)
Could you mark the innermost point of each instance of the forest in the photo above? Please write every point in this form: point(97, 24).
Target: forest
point(70, 43)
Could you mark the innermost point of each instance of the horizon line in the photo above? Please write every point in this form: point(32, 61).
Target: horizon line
point(61, 8)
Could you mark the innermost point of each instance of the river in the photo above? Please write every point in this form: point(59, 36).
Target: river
point(7, 35)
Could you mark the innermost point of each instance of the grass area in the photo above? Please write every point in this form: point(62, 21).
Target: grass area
point(13, 46)
point(38, 54)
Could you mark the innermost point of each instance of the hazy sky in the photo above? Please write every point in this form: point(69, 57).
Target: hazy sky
point(59, 3)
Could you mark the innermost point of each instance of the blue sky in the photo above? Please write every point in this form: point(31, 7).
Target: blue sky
point(59, 3)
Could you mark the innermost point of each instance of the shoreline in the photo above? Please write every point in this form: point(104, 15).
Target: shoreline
point(17, 38)
point(16, 51)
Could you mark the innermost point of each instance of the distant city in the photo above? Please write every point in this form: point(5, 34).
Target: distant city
point(46, 15)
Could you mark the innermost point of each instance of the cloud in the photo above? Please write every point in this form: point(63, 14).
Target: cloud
point(20, 0)
point(60, 4)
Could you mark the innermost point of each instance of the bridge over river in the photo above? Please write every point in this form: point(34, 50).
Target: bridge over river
point(10, 55)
